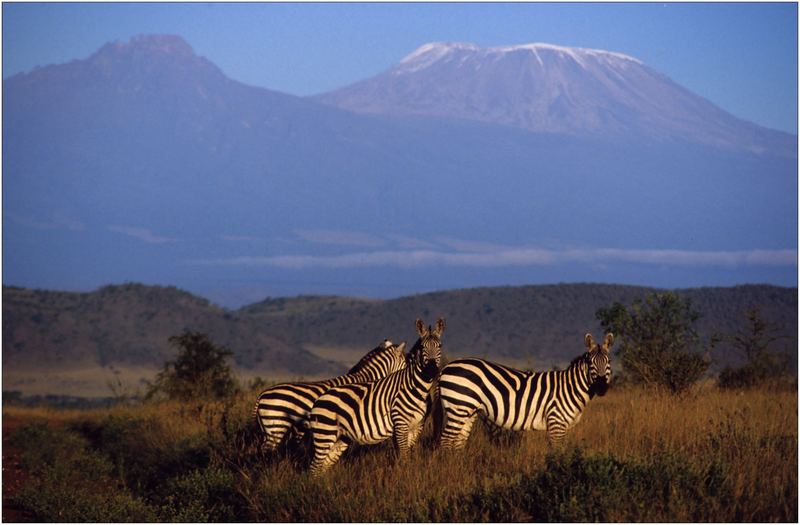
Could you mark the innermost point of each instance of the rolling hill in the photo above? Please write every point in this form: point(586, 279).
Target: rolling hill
point(127, 326)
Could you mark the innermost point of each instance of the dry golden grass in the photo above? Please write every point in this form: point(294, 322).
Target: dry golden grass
point(750, 437)
point(753, 433)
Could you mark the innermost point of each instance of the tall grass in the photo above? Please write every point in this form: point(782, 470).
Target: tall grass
point(635, 456)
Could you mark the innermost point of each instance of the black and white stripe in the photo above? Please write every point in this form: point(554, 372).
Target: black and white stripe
point(285, 407)
point(516, 400)
point(369, 413)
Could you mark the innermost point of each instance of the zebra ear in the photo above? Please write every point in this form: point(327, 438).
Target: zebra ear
point(609, 340)
point(439, 327)
point(402, 346)
point(421, 328)
point(588, 340)
point(387, 343)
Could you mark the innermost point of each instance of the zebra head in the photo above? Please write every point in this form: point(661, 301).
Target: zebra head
point(599, 363)
point(426, 354)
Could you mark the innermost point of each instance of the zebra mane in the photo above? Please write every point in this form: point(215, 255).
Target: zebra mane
point(584, 357)
point(366, 359)
point(416, 348)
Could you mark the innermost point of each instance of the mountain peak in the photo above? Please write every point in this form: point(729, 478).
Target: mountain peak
point(150, 43)
point(547, 88)
point(438, 48)
point(150, 56)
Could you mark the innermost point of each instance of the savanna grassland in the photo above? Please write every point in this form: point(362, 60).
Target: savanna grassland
point(709, 455)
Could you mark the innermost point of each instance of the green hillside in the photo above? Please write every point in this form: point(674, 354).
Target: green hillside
point(543, 324)
point(130, 325)
point(538, 326)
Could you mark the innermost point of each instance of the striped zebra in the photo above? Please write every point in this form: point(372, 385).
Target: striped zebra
point(369, 413)
point(285, 407)
point(515, 400)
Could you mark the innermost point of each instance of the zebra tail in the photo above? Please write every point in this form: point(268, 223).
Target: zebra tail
point(257, 419)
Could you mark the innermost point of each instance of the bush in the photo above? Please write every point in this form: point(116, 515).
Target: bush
point(199, 372)
point(658, 345)
point(71, 483)
point(759, 374)
point(204, 495)
point(143, 466)
point(576, 488)
point(762, 363)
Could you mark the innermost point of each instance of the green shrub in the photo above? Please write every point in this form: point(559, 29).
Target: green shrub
point(576, 488)
point(763, 364)
point(658, 344)
point(204, 495)
point(143, 466)
point(70, 483)
point(199, 371)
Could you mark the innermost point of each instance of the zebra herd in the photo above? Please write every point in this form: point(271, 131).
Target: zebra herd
point(388, 394)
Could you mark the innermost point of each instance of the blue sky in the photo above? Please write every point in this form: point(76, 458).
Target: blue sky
point(742, 57)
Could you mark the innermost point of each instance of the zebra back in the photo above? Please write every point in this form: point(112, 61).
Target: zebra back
point(285, 407)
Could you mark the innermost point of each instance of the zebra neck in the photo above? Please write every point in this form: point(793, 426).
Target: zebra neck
point(415, 378)
point(578, 376)
point(360, 376)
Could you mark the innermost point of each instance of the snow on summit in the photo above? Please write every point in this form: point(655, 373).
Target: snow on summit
point(430, 53)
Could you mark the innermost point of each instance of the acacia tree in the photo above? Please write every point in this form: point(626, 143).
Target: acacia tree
point(755, 344)
point(657, 342)
point(198, 372)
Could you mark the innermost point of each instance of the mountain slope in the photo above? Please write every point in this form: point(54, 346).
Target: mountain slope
point(553, 89)
point(143, 162)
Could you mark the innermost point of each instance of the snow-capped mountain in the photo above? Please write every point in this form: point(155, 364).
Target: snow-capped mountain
point(145, 162)
point(552, 89)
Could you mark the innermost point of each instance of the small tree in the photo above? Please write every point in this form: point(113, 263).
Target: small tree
point(754, 344)
point(658, 345)
point(198, 372)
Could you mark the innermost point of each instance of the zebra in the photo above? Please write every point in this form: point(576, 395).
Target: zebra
point(285, 407)
point(369, 413)
point(512, 399)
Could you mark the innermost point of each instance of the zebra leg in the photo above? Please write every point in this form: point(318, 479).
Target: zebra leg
point(401, 437)
point(326, 457)
point(274, 426)
point(405, 436)
point(325, 441)
point(300, 445)
point(414, 433)
point(298, 436)
point(273, 437)
point(336, 452)
point(501, 436)
point(495, 431)
point(457, 427)
point(556, 429)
